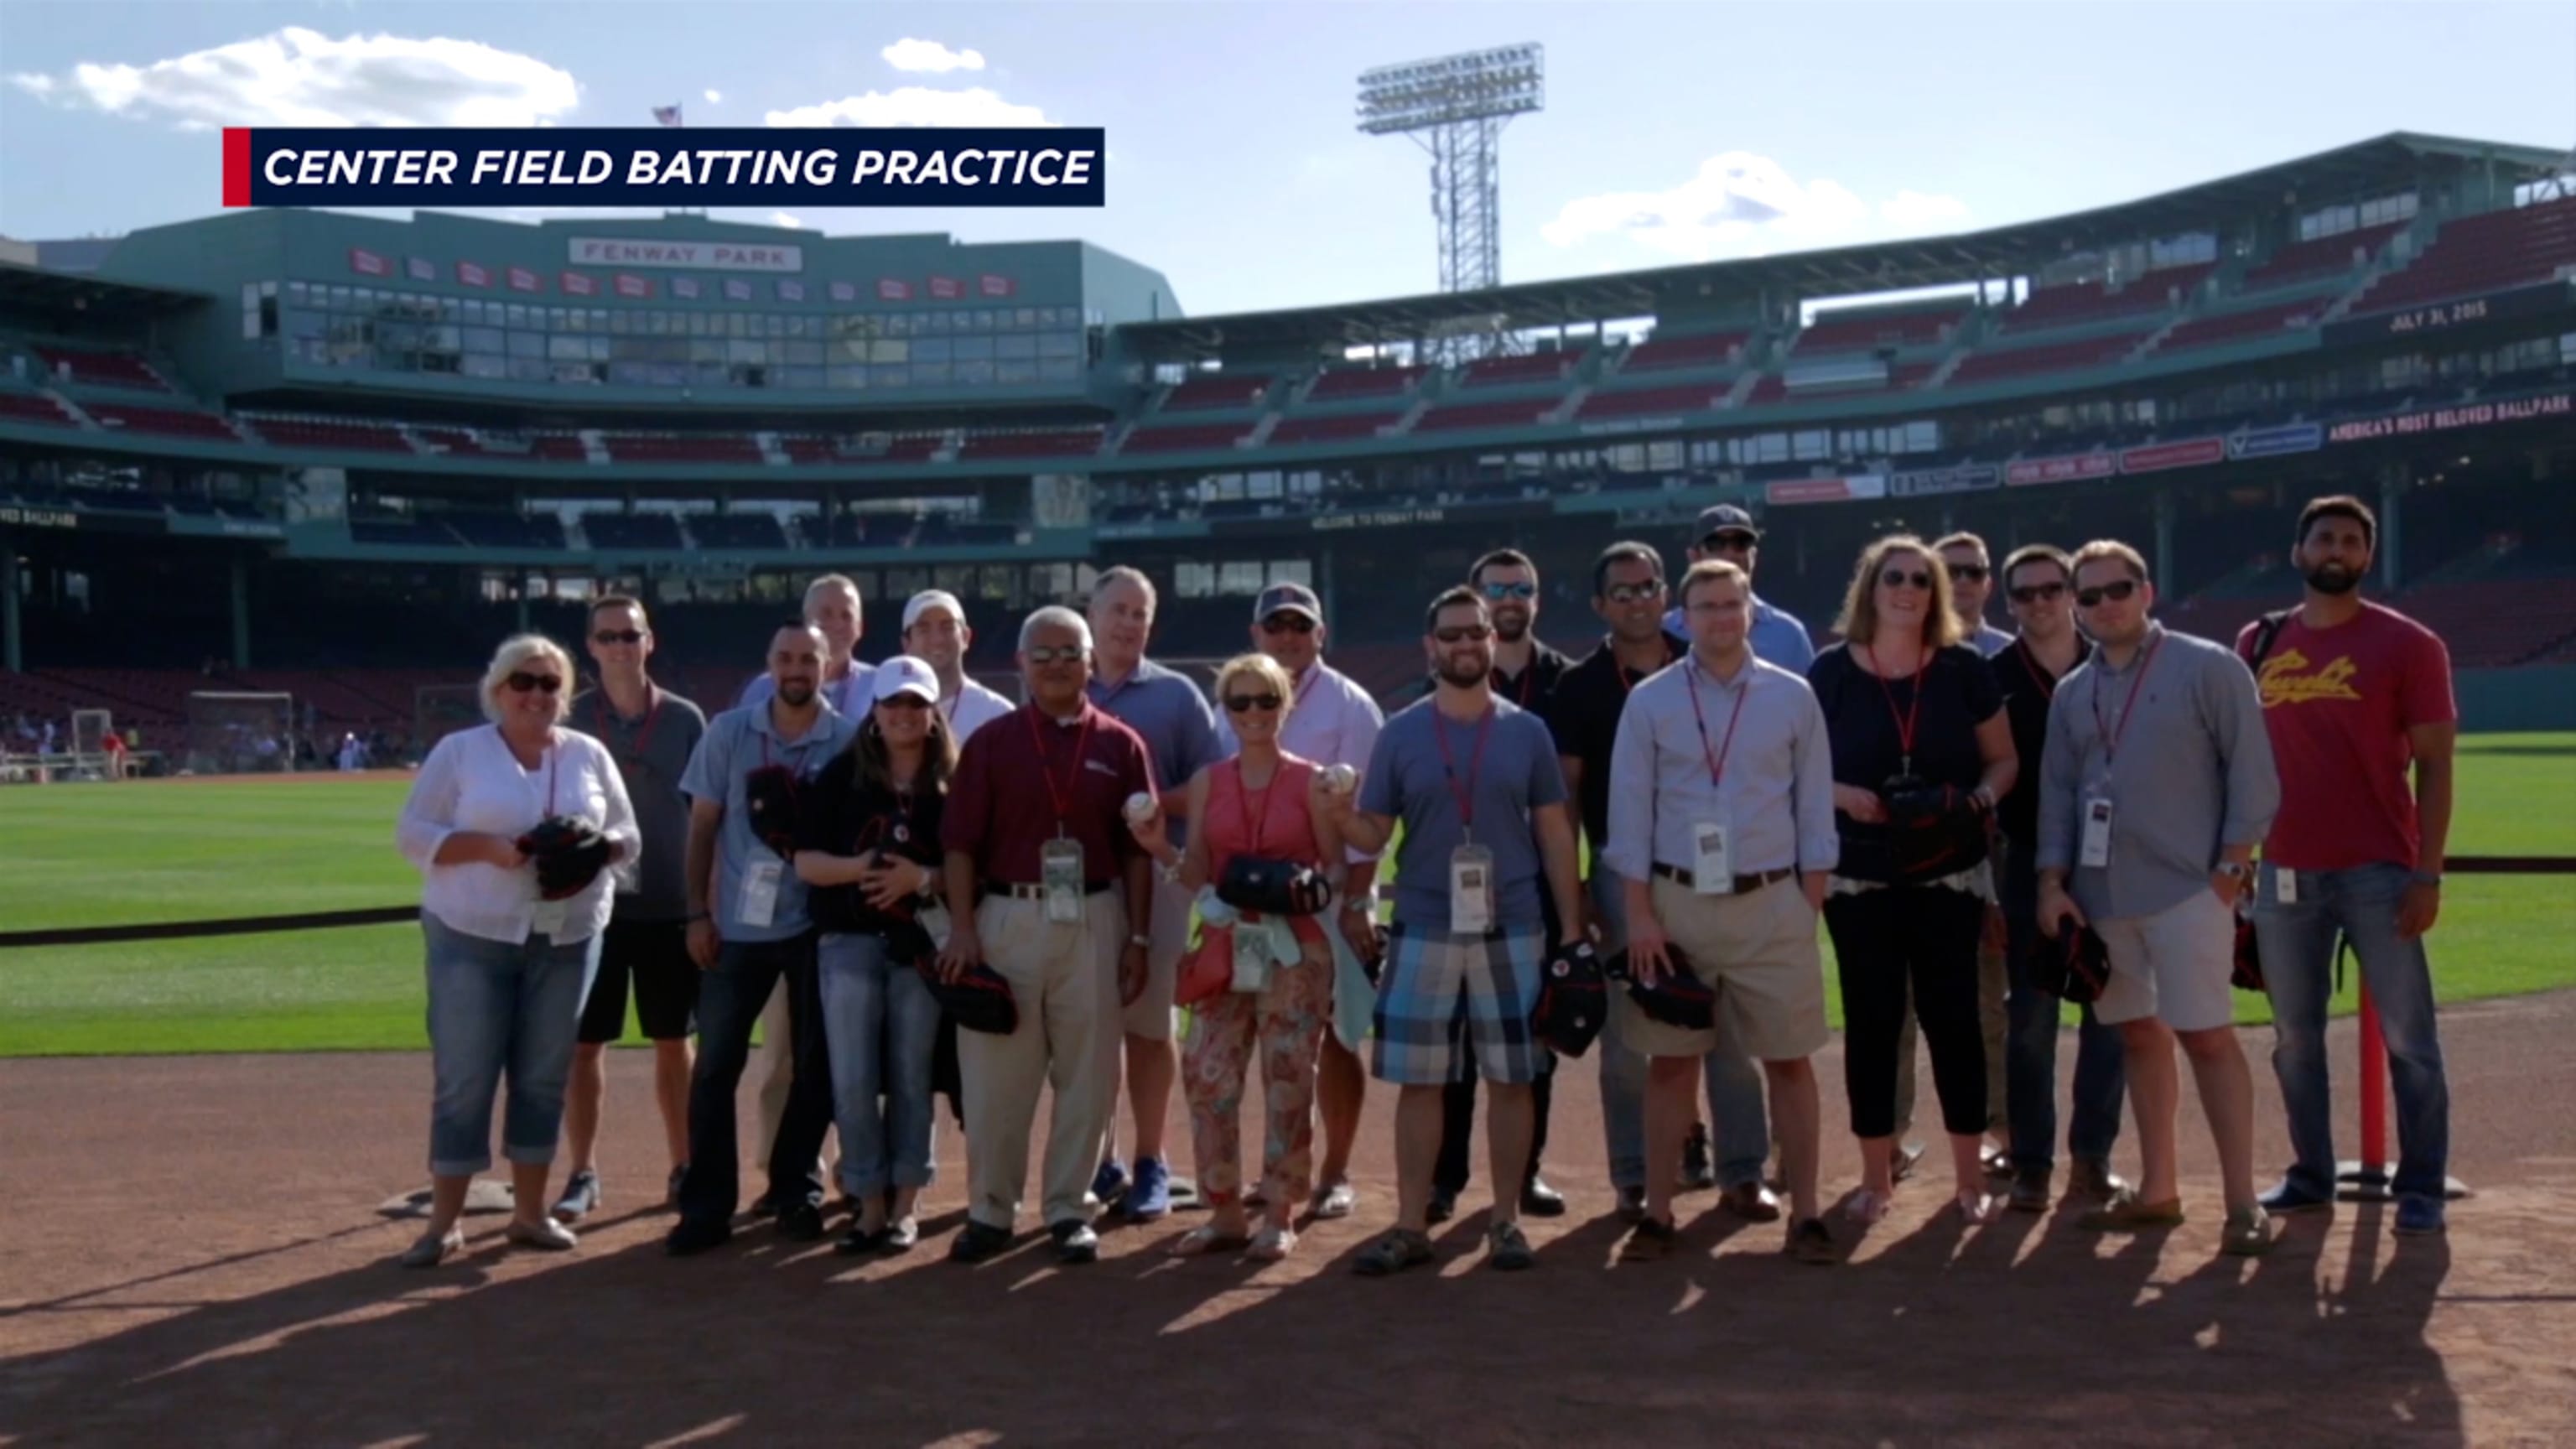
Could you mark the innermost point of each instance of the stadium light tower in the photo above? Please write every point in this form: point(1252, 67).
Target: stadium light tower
point(1455, 108)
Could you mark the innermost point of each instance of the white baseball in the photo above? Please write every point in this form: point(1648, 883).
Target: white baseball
point(1341, 779)
point(1140, 807)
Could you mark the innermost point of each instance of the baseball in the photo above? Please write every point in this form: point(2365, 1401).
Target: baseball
point(1341, 779)
point(1140, 807)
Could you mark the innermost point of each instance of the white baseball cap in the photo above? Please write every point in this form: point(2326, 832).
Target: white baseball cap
point(904, 674)
point(929, 599)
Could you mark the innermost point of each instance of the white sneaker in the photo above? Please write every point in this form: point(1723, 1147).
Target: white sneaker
point(545, 1235)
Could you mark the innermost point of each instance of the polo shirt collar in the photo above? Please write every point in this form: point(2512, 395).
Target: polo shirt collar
point(2146, 645)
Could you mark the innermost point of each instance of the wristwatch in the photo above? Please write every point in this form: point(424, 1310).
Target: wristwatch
point(2235, 870)
point(2428, 878)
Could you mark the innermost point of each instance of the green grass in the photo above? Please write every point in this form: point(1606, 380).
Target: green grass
point(99, 855)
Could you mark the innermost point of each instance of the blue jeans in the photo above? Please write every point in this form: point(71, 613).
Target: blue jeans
point(2298, 943)
point(730, 996)
point(1739, 1128)
point(883, 1026)
point(496, 1007)
point(2030, 1047)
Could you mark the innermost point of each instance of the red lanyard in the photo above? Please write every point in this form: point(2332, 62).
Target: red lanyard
point(2038, 671)
point(1072, 777)
point(1465, 796)
point(1628, 685)
point(2110, 736)
point(1913, 714)
point(1716, 762)
point(1529, 676)
point(1261, 821)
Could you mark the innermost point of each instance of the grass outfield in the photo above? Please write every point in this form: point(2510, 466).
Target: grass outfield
point(182, 850)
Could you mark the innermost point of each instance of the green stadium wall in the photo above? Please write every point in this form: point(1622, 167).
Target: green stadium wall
point(2534, 697)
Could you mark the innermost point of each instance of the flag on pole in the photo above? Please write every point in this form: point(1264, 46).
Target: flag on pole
point(667, 115)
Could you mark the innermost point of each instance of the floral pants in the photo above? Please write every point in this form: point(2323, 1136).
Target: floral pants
point(1284, 1022)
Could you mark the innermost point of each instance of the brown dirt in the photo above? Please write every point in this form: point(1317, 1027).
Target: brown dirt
point(190, 1253)
point(294, 777)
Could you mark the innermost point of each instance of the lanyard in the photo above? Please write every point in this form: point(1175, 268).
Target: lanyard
point(1913, 714)
point(1466, 795)
point(1628, 683)
point(639, 751)
point(1072, 777)
point(2037, 670)
point(1529, 677)
point(1716, 762)
point(1243, 791)
point(2110, 736)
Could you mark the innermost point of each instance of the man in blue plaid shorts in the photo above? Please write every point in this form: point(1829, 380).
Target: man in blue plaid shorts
point(1475, 780)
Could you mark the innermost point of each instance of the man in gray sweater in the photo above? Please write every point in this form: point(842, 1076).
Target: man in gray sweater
point(2156, 785)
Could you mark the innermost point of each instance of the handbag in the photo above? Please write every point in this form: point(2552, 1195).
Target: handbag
point(1273, 887)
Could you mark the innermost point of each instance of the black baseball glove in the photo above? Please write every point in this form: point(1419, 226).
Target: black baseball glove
point(1572, 1001)
point(1928, 805)
point(1680, 999)
point(569, 854)
point(2072, 966)
point(769, 798)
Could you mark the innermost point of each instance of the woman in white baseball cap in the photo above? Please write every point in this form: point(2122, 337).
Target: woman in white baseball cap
point(868, 845)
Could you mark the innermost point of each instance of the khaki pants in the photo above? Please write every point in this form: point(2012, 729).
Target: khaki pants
point(1994, 975)
point(1065, 978)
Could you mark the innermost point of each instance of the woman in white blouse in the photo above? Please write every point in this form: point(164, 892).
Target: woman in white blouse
point(508, 968)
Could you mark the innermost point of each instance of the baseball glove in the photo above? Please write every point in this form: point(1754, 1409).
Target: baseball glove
point(569, 855)
point(1572, 1001)
point(978, 1000)
point(2247, 975)
point(1680, 999)
point(769, 798)
point(2075, 966)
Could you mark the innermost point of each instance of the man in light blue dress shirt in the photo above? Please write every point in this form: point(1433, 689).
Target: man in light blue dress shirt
point(1727, 532)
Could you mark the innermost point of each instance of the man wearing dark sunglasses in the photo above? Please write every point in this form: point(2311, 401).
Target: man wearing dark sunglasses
point(1727, 532)
point(1963, 557)
point(2040, 588)
point(652, 733)
point(1527, 673)
point(1335, 722)
point(752, 936)
point(1972, 584)
point(2156, 784)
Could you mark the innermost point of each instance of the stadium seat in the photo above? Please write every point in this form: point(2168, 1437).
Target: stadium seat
point(1661, 353)
point(1212, 391)
point(2488, 252)
point(323, 435)
point(461, 442)
point(102, 369)
point(557, 448)
point(166, 422)
point(2252, 322)
point(1353, 382)
point(2047, 357)
point(2319, 257)
point(1456, 416)
point(1061, 443)
point(1650, 401)
point(736, 530)
point(1871, 329)
point(30, 407)
point(1527, 368)
point(666, 448)
point(652, 531)
point(1331, 428)
point(2066, 306)
point(1184, 437)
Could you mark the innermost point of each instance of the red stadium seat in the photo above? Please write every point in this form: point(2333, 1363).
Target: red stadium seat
point(2320, 257)
point(1661, 353)
point(1332, 428)
point(1184, 437)
point(2253, 322)
point(1351, 382)
point(2094, 302)
point(1217, 390)
point(2047, 357)
point(103, 369)
point(2489, 252)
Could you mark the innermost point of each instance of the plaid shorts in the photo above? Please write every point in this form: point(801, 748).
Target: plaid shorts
point(1440, 991)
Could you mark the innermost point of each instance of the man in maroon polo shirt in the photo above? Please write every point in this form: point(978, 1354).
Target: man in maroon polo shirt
point(1047, 886)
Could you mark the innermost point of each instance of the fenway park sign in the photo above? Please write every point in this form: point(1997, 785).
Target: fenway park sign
point(2443, 420)
point(612, 251)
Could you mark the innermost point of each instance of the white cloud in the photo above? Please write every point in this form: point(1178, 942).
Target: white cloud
point(781, 218)
point(715, 98)
point(929, 55)
point(1740, 204)
point(297, 77)
point(914, 106)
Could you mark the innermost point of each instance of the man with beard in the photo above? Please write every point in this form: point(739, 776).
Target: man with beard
point(2151, 804)
point(1474, 780)
point(1526, 672)
point(751, 936)
point(2041, 589)
point(1334, 722)
point(2352, 693)
point(935, 632)
point(1172, 716)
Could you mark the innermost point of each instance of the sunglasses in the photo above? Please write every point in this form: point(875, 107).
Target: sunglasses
point(1634, 593)
point(523, 682)
point(1899, 578)
point(1246, 703)
point(1058, 654)
point(1500, 592)
point(1727, 543)
point(2115, 591)
point(1967, 573)
point(2033, 593)
point(617, 636)
point(1464, 633)
point(1288, 624)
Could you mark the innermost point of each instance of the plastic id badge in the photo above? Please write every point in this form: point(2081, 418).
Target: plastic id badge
point(1060, 872)
point(1712, 858)
point(550, 918)
point(759, 904)
point(1251, 960)
point(1471, 890)
point(2095, 849)
point(2285, 885)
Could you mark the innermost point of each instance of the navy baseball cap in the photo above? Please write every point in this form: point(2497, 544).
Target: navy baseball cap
point(1287, 599)
point(1725, 518)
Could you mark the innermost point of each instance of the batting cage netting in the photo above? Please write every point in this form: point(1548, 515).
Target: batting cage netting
point(240, 732)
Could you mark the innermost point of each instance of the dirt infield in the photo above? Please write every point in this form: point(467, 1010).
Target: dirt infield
point(190, 1254)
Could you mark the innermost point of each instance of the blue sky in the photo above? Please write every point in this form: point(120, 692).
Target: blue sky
point(1235, 166)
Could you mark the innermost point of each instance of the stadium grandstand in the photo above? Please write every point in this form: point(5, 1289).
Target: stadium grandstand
point(331, 459)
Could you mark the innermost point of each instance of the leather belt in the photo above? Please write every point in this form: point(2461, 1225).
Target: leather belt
point(1744, 884)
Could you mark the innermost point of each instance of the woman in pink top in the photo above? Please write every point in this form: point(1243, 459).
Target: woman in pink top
point(1262, 803)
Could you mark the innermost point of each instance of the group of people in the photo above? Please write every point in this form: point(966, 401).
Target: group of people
point(930, 889)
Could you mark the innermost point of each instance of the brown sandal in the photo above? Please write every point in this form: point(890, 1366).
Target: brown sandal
point(2126, 1212)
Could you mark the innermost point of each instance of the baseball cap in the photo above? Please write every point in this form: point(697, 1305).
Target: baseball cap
point(1725, 518)
point(904, 674)
point(1287, 599)
point(929, 599)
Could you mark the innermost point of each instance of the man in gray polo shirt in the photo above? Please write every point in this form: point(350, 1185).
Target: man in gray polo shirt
point(652, 733)
point(1171, 715)
point(2155, 787)
point(749, 933)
